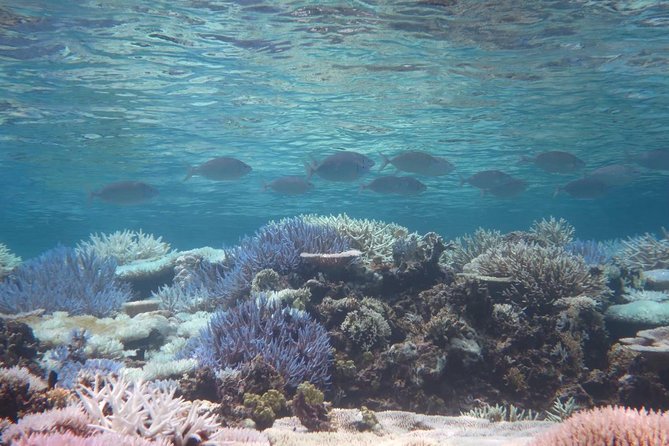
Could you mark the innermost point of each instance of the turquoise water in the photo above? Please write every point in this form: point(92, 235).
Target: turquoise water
point(93, 92)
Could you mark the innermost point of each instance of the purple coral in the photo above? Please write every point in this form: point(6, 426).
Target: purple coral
point(277, 245)
point(62, 280)
point(290, 340)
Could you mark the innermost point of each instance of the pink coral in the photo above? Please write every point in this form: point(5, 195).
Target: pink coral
point(611, 426)
point(105, 439)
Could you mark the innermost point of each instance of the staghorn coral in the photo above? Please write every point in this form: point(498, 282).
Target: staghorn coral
point(611, 425)
point(8, 261)
point(62, 280)
point(540, 275)
point(286, 338)
point(552, 232)
point(125, 246)
point(375, 239)
point(465, 249)
point(644, 252)
point(592, 251)
point(146, 409)
point(275, 246)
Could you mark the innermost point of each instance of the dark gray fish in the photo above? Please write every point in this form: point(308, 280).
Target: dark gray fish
point(395, 185)
point(415, 161)
point(341, 166)
point(220, 169)
point(289, 185)
point(125, 193)
point(487, 179)
point(615, 174)
point(510, 189)
point(584, 188)
point(555, 161)
point(652, 159)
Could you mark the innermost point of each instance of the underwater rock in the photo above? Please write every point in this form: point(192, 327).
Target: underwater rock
point(656, 279)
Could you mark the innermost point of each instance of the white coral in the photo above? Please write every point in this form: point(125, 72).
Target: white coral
point(8, 261)
point(374, 238)
point(145, 409)
point(126, 246)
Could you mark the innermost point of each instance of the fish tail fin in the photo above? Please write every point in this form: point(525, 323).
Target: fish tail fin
point(310, 168)
point(557, 191)
point(463, 180)
point(189, 173)
point(524, 159)
point(264, 186)
point(91, 197)
point(384, 161)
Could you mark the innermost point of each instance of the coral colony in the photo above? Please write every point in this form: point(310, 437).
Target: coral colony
point(334, 330)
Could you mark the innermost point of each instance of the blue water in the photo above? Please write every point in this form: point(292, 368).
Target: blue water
point(93, 92)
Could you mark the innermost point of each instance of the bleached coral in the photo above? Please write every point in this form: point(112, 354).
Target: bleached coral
point(553, 232)
point(8, 261)
point(466, 248)
point(141, 408)
point(126, 246)
point(540, 275)
point(644, 252)
point(21, 376)
point(69, 419)
point(68, 439)
point(374, 238)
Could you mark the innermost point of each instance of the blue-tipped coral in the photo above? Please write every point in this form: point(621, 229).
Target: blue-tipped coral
point(62, 280)
point(287, 339)
point(277, 245)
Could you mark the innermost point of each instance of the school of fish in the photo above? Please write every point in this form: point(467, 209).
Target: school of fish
point(349, 166)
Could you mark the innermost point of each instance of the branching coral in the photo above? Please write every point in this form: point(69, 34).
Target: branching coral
point(617, 426)
point(104, 439)
point(465, 249)
point(540, 275)
point(374, 238)
point(644, 252)
point(144, 409)
point(288, 339)
point(62, 280)
point(8, 261)
point(275, 246)
point(125, 246)
point(592, 251)
point(553, 232)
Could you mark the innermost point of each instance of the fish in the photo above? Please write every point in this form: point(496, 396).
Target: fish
point(415, 161)
point(487, 179)
point(584, 188)
point(125, 193)
point(615, 174)
point(555, 161)
point(341, 166)
point(510, 189)
point(289, 185)
point(657, 159)
point(223, 168)
point(395, 185)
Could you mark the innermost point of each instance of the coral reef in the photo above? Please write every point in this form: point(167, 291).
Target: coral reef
point(18, 346)
point(62, 280)
point(618, 426)
point(466, 248)
point(644, 252)
point(8, 261)
point(287, 339)
point(540, 275)
point(125, 246)
point(552, 232)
